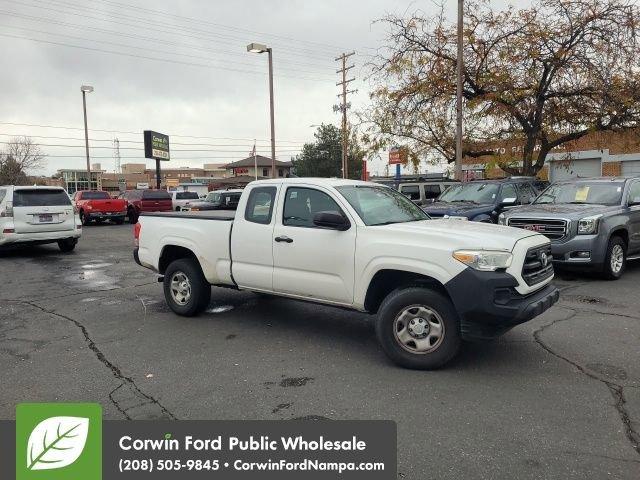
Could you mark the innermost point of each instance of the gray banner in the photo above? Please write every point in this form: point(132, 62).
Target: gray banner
point(251, 450)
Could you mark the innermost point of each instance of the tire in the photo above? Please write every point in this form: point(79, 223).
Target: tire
point(199, 290)
point(118, 221)
point(430, 309)
point(84, 220)
point(131, 215)
point(615, 259)
point(67, 245)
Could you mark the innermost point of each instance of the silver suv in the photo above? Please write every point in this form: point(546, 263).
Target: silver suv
point(38, 215)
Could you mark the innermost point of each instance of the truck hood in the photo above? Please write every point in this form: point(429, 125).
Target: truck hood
point(463, 234)
point(570, 211)
point(461, 209)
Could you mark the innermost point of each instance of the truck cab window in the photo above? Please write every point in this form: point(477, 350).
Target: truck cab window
point(301, 204)
point(411, 191)
point(260, 205)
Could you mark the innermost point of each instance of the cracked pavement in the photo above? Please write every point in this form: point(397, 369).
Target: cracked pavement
point(558, 397)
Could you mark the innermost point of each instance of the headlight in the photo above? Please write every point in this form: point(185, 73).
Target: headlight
point(485, 260)
point(588, 225)
point(502, 219)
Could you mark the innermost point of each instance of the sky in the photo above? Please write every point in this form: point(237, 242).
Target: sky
point(181, 68)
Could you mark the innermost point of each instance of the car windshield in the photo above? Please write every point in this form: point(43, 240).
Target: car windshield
point(187, 196)
point(213, 197)
point(97, 195)
point(381, 205)
point(40, 198)
point(156, 195)
point(476, 192)
point(597, 193)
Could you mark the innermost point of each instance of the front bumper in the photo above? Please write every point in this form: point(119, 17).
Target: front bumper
point(488, 304)
point(566, 253)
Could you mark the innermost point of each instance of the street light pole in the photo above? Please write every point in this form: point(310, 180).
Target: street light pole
point(86, 89)
point(260, 48)
point(458, 165)
point(271, 112)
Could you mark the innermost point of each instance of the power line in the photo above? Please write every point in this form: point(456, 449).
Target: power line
point(140, 132)
point(145, 38)
point(144, 57)
point(165, 52)
point(179, 31)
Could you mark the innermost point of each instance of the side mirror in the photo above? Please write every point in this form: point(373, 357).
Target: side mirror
point(333, 220)
point(508, 202)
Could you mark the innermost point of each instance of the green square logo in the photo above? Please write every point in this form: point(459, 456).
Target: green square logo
point(59, 441)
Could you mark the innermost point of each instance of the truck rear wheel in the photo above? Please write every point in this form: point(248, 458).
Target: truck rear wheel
point(186, 291)
point(418, 328)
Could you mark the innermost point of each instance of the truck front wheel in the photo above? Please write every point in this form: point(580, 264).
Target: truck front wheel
point(186, 291)
point(418, 328)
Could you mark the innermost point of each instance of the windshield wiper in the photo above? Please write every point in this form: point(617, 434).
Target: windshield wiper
point(390, 222)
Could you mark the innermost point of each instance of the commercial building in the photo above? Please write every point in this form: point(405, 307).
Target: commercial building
point(247, 166)
point(596, 154)
point(77, 179)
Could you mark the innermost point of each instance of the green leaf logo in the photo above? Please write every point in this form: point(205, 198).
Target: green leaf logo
point(56, 442)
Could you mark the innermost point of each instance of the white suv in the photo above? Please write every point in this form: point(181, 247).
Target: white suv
point(38, 215)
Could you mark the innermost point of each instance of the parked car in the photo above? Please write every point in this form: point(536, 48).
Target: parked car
point(38, 215)
point(181, 200)
point(217, 200)
point(361, 246)
point(423, 193)
point(592, 223)
point(139, 201)
point(484, 200)
point(93, 205)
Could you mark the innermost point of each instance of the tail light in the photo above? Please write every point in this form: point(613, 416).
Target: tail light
point(136, 234)
point(8, 211)
point(9, 230)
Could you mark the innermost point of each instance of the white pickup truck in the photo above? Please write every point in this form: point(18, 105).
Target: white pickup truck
point(359, 245)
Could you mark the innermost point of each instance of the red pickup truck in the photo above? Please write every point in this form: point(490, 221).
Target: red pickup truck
point(140, 201)
point(93, 205)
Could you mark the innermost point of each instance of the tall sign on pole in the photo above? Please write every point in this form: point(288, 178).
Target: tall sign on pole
point(460, 68)
point(397, 156)
point(156, 147)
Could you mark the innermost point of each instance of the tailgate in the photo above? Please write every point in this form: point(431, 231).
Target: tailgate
point(108, 206)
point(156, 205)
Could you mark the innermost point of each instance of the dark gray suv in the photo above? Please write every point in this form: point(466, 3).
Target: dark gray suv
point(592, 223)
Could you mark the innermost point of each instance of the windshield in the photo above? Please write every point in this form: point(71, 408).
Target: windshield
point(155, 195)
point(381, 205)
point(40, 198)
point(476, 192)
point(213, 197)
point(97, 195)
point(598, 193)
point(187, 196)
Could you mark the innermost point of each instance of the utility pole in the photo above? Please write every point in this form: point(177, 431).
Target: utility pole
point(116, 153)
point(344, 105)
point(458, 165)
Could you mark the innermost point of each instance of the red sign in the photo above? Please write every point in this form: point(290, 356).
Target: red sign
point(397, 156)
point(240, 171)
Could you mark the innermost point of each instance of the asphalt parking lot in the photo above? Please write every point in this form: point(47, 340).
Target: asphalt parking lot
point(558, 397)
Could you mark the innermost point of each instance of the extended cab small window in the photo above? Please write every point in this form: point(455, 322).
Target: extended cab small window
point(411, 191)
point(301, 204)
point(260, 205)
point(3, 193)
point(634, 194)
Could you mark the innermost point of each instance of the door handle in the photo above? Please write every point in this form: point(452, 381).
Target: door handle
point(284, 239)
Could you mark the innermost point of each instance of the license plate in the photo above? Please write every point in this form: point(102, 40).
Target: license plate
point(46, 218)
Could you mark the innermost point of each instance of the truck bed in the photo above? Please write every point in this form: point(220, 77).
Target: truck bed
point(224, 215)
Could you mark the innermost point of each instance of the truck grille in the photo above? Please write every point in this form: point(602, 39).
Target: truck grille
point(538, 265)
point(553, 229)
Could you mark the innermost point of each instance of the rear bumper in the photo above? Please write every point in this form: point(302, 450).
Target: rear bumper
point(38, 237)
point(488, 304)
point(106, 215)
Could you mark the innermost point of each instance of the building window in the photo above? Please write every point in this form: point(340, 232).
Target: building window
point(265, 172)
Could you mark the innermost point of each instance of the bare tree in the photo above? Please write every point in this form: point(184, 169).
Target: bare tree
point(20, 157)
point(540, 76)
